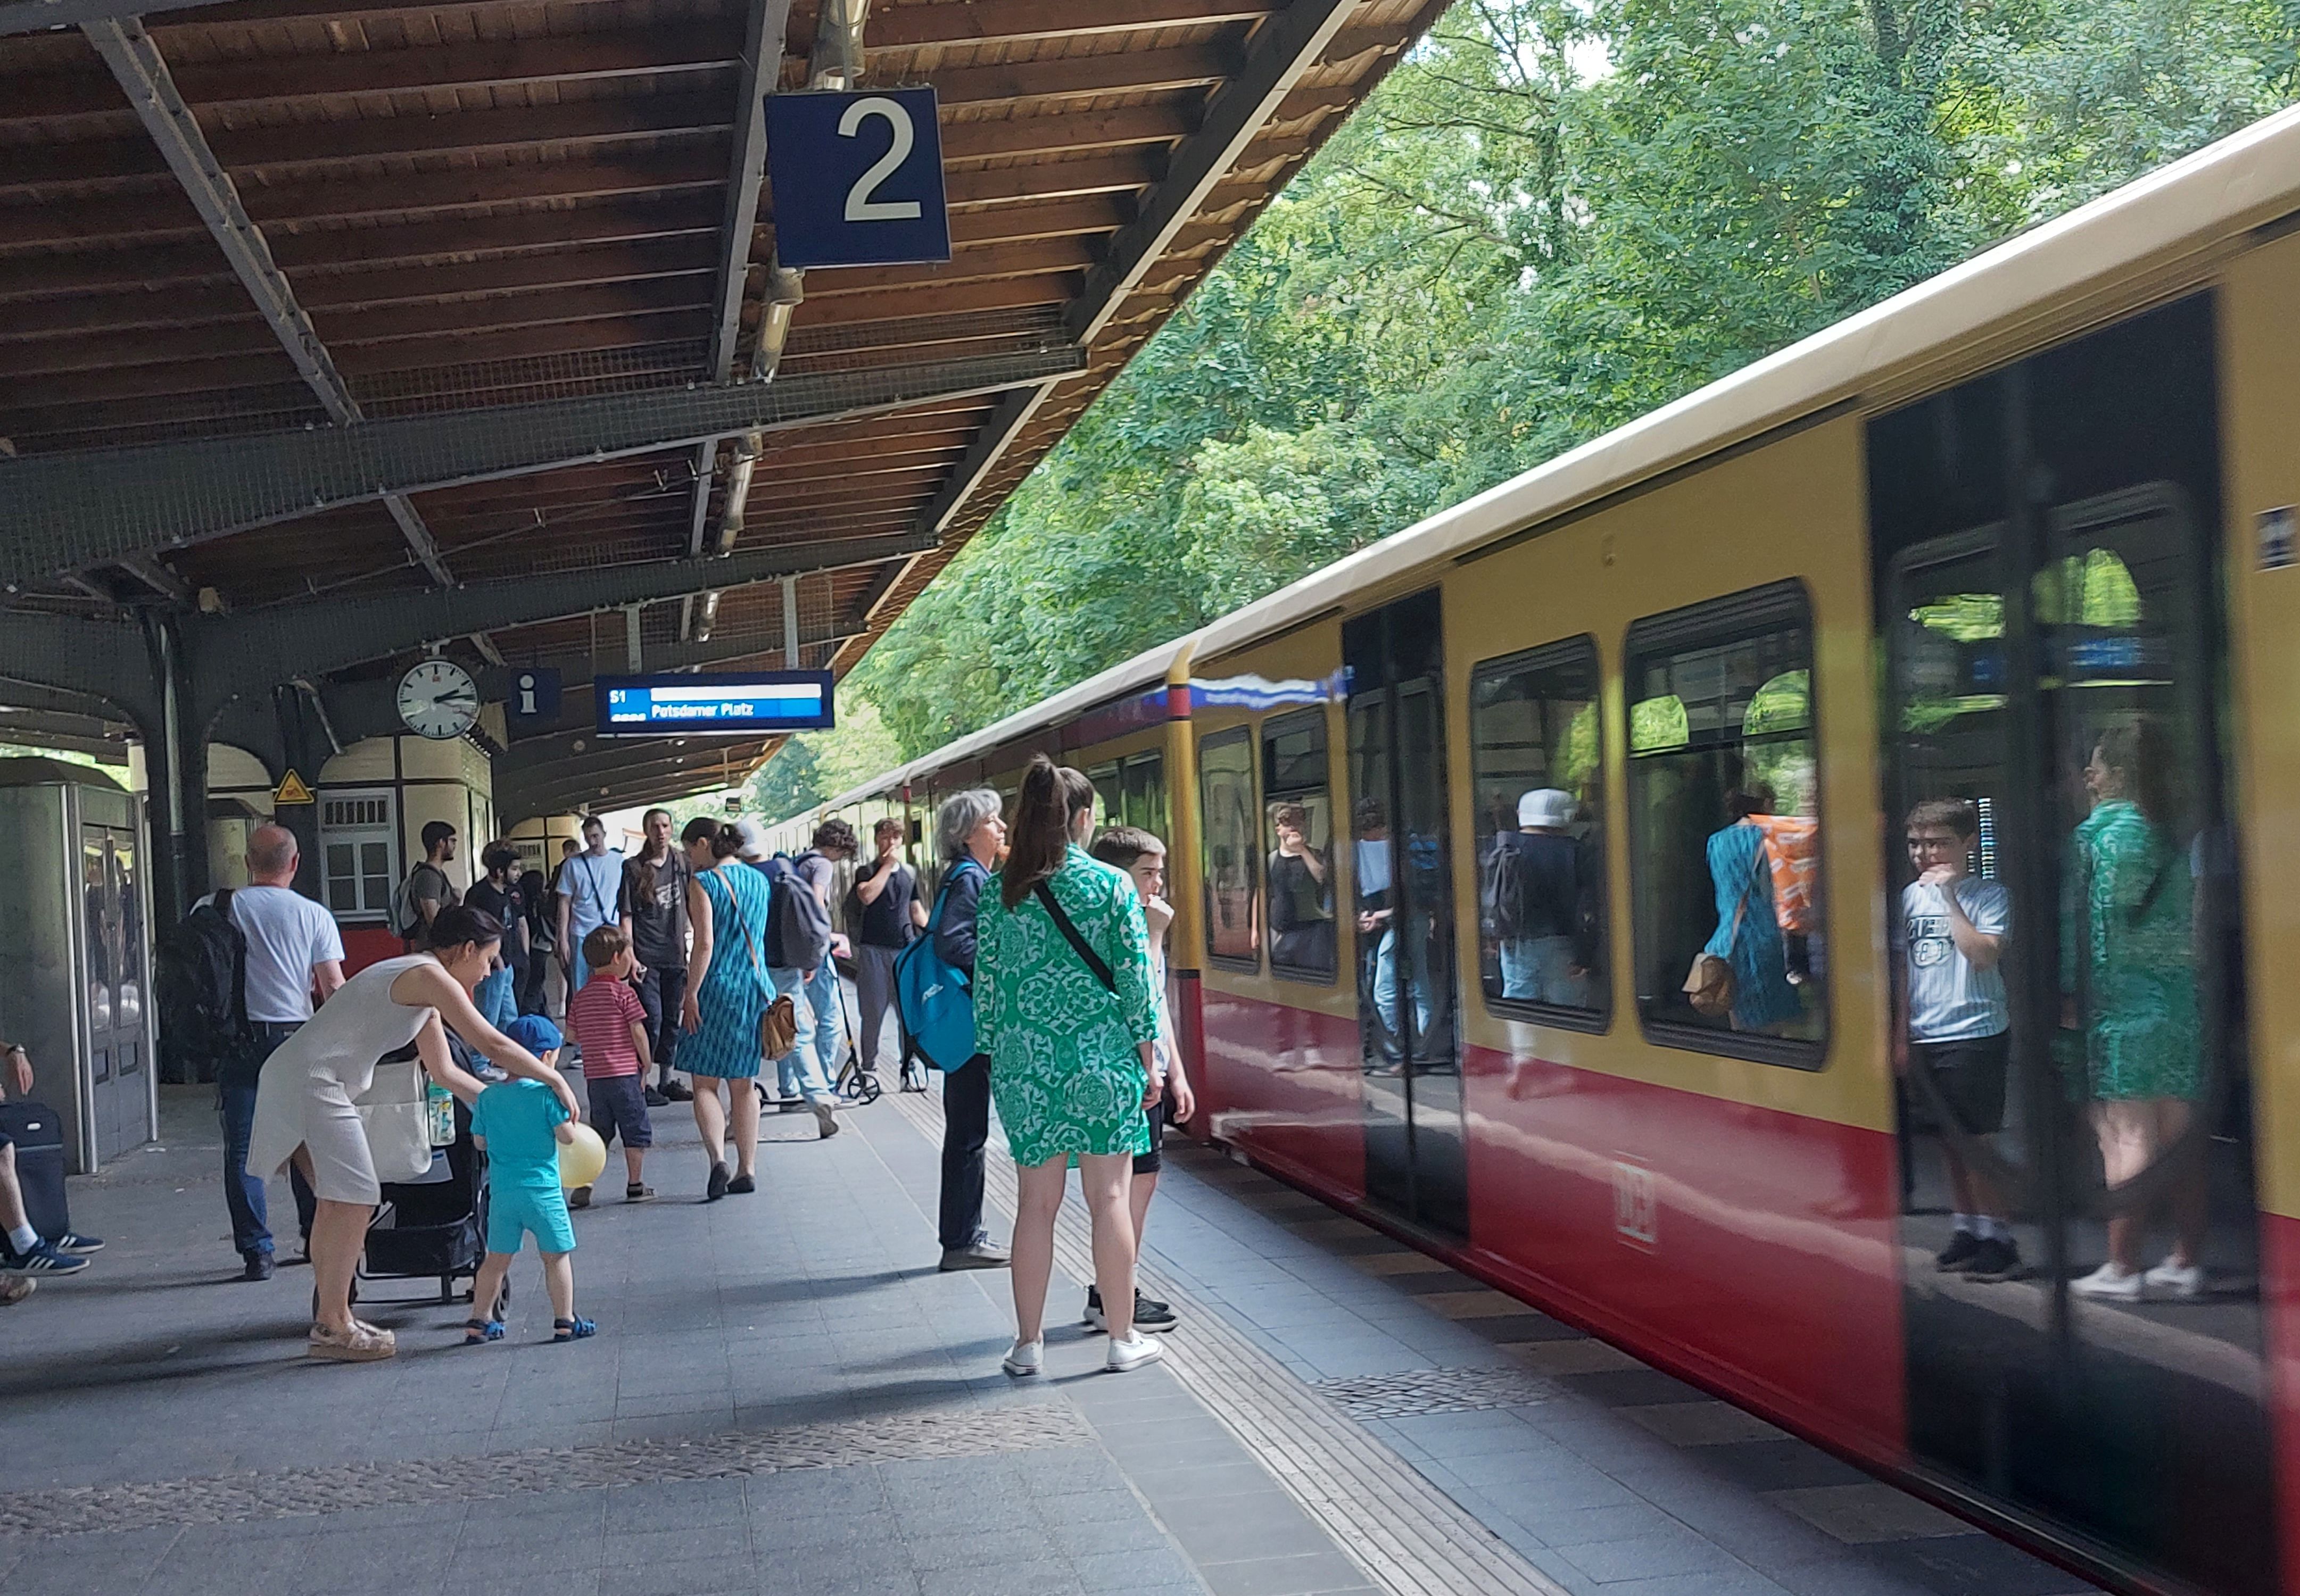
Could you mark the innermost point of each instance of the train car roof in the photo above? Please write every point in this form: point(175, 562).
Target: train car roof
point(1900, 347)
point(2241, 182)
point(1145, 669)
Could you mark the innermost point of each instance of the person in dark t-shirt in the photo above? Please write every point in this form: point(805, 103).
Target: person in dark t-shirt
point(888, 894)
point(653, 913)
point(1545, 896)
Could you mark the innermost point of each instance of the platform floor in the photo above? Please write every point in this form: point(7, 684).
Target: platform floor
point(785, 1395)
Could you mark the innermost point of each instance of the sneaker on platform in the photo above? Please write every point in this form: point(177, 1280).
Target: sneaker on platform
point(72, 1241)
point(1132, 1353)
point(1995, 1259)
point(825, 1117)
point(258, 1266)
point(657, 1100)
point(2109, 1283)
point(678, 1091)
point(1024, 1358)
point(2173, 1282)
point(1959, 1253)
point(41, 1258)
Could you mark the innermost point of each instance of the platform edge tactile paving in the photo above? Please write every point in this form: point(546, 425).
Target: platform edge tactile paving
point(1411, 1538)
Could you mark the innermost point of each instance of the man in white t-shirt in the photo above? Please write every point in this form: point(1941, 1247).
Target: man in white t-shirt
point(294, 953)
point(590, 887)
point(1956, 1022)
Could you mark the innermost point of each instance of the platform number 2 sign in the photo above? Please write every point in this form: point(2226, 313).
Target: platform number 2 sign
point(857, 177)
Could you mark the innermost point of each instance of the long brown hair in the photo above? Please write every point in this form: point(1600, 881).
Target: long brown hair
point(643, 881)
point(1052, 794)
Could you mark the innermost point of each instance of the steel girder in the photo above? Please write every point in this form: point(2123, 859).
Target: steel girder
point(74, 509)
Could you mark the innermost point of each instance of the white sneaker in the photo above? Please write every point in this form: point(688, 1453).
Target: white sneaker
point(2181, 1284)
point(826, 1116)
point(1133, 1352)
point(1024, 1358)
point(2109, 1283)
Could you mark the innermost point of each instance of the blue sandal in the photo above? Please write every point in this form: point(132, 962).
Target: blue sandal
point(477, 1332)
point(575, 1329)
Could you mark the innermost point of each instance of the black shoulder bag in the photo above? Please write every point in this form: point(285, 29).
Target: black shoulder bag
point(1079, 943)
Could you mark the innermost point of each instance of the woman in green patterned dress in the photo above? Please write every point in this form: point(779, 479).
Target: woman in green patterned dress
point(2129, 926)
point(1063, 1006)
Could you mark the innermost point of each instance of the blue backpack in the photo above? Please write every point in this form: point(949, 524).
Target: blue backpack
point(934, 997)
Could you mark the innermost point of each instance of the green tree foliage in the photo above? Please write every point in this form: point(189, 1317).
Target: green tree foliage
point(1554, 217)
point(814, 766)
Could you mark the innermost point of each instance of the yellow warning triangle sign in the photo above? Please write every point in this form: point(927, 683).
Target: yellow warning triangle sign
point(292, 790)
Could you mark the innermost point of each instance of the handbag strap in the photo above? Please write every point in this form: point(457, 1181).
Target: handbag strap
point(1093, 960)
point(1741, 905)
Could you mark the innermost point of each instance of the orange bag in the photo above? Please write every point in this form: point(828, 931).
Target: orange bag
point(1793, 854)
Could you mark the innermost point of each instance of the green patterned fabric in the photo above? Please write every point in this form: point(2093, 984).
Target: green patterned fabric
point(2127, 907)
point(1065, 1060)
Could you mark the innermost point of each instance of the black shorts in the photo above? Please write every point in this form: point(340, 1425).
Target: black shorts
point(1154, 1160)
point(619, 1104)
point(1971, 1074)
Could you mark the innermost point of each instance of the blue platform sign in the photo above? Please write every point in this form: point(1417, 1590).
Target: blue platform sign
point(858, 177)
point(754, 701)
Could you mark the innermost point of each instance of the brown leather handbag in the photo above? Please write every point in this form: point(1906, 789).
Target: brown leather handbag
point(779, 1026)
point(1708, 984)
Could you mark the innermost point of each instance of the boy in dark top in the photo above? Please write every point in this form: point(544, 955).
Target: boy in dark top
point(891, 915)
point(1541, 903)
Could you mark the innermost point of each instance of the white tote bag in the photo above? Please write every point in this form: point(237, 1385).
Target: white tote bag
point(399, 1129)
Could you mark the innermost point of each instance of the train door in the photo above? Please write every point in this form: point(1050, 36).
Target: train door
point(2079, 1239)
point(1410, 1056)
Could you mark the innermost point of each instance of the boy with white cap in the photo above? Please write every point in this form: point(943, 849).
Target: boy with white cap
point(1539, 894)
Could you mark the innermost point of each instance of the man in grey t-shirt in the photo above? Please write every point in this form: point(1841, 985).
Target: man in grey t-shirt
point(294, 951)
point(1955, 1021)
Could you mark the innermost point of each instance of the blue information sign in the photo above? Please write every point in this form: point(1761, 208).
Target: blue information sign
point(858, 177)
point(531, 696)
point(753, 701)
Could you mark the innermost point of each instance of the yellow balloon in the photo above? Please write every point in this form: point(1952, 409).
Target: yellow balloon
point(581, 1160)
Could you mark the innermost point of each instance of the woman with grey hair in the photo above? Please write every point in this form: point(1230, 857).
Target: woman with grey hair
point(970, 836)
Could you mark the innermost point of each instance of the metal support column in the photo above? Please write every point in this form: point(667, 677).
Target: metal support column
point(790, 622)
point(178, 776)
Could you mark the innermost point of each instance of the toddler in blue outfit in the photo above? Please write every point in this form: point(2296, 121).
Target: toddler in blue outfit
point(521, 1126)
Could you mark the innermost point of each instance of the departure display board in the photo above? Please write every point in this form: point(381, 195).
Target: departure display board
point(752, 701)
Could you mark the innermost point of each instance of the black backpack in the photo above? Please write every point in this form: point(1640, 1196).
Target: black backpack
point(203, 981)
point(1501, 895)
point(798, 924)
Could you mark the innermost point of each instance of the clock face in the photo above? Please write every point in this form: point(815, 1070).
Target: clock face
point(439, 699)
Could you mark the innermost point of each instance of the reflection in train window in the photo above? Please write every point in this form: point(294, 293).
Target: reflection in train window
point(1226, 790)
point(1535, 762)
point(1297, 809)
point(1725, 829)
point(1133, 792)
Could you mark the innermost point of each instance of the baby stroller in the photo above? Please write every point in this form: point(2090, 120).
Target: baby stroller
point(434, 1228)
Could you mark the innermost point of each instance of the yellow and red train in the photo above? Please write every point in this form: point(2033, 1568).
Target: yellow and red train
point(1942, 550)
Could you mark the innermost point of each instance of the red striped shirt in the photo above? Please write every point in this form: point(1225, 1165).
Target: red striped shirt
point(600, 1018)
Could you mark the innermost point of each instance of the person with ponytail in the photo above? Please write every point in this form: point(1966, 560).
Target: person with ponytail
point(726, 904)
point(1064, 1006)
point(304, 1101)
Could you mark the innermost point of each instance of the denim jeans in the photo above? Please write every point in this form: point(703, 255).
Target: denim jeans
point(824, 997)
point(1385, 982)
point(802, 1066)
point(1537, 969)
point(244, 1193)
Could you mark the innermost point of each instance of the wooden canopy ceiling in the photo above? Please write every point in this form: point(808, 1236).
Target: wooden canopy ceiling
point(465, 202)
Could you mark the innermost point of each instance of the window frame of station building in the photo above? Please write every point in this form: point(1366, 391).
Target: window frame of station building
point(1541, 663)
point(357, 832)
point(1212, 746)
point(1272, 731)
point(1769, 610)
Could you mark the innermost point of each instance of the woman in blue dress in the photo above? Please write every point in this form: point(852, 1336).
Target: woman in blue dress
point(726, 904)
point(1748, 937)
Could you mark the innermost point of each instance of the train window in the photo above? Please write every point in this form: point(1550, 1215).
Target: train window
point(1535, 768)
point(1298, 843)
point(1110, 792)
point(1226, 788)
point(1146, 794)
point(1725, 830)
